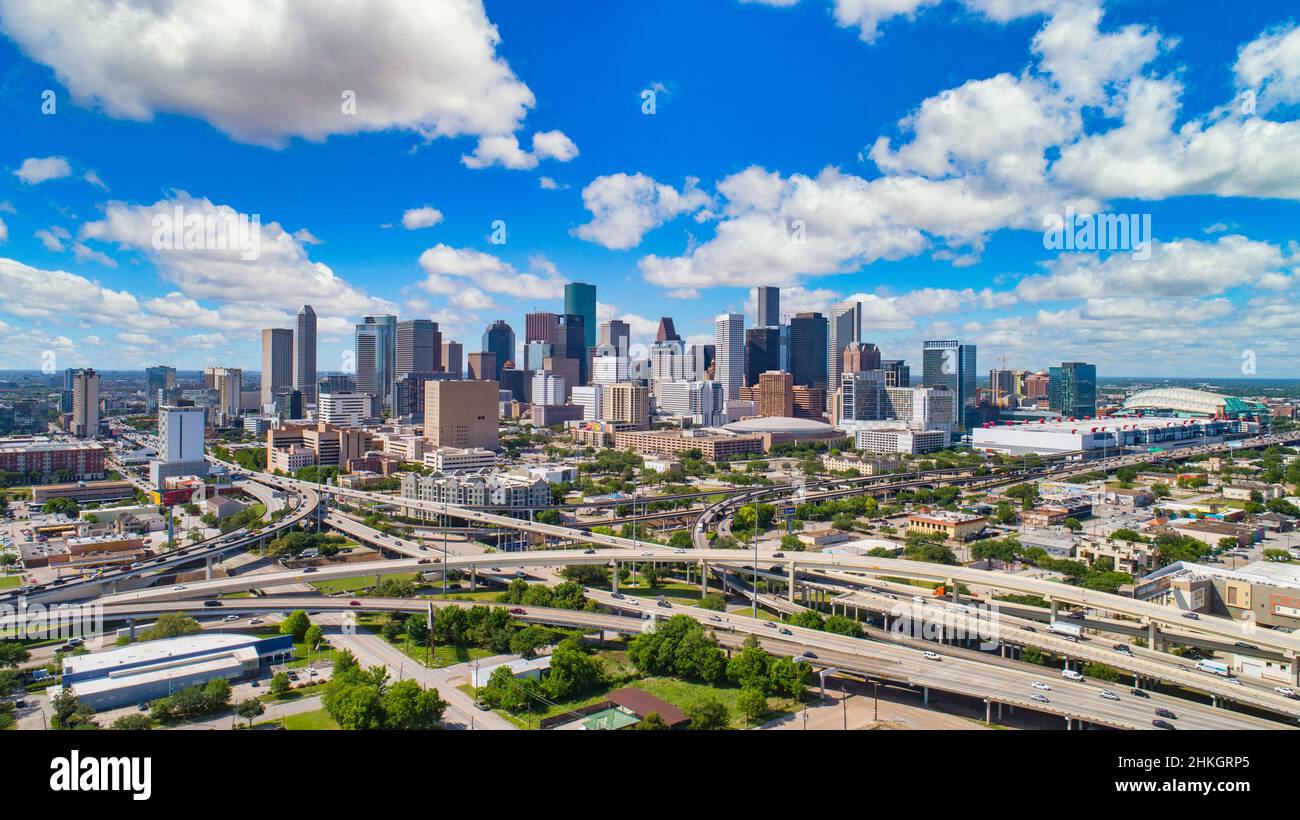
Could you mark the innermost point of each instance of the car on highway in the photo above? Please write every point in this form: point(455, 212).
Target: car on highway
point(1244, 645)
point(1233, 681)
point(618, 596)
point(1108, 695)
point(1136, 692)
point(930, 656)
point(714, 618)
point(425, 561)
point(1191, 616)
point(1165, 713)
point(1040, 685)
point(481, 706)
point(255, 621)
point(769, 624)
point(1162, 724)
point(518, 611)
point(1122, 648)
point(1039, 698)
point(308, 569)
point(354, 603)
point(1070, 674)
point(1075, 614)
point(212, 602)
point(664, 604)
point(178, 588)
point(1025, 628)
point(588, 552)
point(785, 631)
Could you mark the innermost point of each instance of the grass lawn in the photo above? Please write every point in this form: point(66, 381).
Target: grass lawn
point(357, 584)
point(763, 614)
point(486, 595)
point(313, 721)
point(317, 656)
point(673, 591)
point(10, 581)
point(684, 694)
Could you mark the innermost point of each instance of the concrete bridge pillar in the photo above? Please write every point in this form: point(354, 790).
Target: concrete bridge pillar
point(130, 627)
point(473, 577)
point(704, 578)
point(925, 695)
point(615, 576)
point(790, 593)
point(208, 567)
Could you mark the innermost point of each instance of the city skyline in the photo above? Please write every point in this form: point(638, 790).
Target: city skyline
point(924, 194)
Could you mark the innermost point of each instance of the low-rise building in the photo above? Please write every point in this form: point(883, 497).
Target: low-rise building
point(899, 440)
point(713, 444)
point(864, 466)
point(84, 492)
point(954, 526)
point(457, 459)
point(1212, 532)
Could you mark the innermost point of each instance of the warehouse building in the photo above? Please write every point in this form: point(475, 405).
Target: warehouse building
point(154, 669)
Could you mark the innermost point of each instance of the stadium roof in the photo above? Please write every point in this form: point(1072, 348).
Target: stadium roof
point(778, 424)
point(1178, 400)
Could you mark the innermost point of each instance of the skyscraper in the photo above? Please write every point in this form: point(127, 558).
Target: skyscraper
point(580, 300)
point(304, 355)
point(667, 332)
point(616, 334)
point(845, 328)
point(277, 361)
point(419, 348)
point(951, 364)
point(859, 358)
point(769, 306)
point(571, 343)
point(499, 340)
point(85, 403)
point(376, 350)
point(453, 361)
point(157, 378)
point(808, 344)
point(1072, 389)
point(229, 384)
point(729, 358)
point(762, 352)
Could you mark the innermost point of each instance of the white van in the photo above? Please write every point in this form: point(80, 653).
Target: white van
point(1070, 674)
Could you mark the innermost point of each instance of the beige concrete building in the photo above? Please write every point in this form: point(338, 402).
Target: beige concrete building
point(626, 403)
point(954, 526)
point(462, 414)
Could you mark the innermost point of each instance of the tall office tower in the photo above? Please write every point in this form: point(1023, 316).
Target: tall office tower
point(158, 378)
point(408, 393)
point(608, 369)
point(452, 359)
point(700, 402)
point(774, 394)
point(376, 350)
point(626, 403)
point(859, 357)
point(482, 366)
point(698, 359)
point(616, 334)
point(462, 414)
point(729, 342)
point(951, 364)
point(499, 339)
point(667, 362)
point(844, 329)
point(229, 384)
point(548, 388)
point(769, 306)
point(580, 300)
point(571, 343)
point(69, 378)
point(336, 383)
point(535, 353)
point(304, 355)
point(538, 327)
point(667, 332)
point(180, 434)
point(85, 403)
point(419, 347)
point(897, 373)
point(1002, 388)
point(277, 361)
point(1072, 389)
point(808, 345)
point(762, 351)
point(923, 408)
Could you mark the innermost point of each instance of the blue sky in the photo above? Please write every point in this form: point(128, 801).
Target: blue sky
point(901, 152)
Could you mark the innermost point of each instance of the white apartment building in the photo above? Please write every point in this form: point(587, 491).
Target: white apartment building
point(455, 459)
point(589, 399)
point(702, 402)
point(899, 440)
point(548, 388)
point(343, 409)
point(729, 353)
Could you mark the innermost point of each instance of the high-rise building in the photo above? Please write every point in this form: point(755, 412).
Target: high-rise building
point(859, 358)
point(580, 300)
point(304, 354)
point(1072, 389)
point(277, 361)
point(344, 409)
point(667, 332)
point(499, 339)
point(608, 369)
point(376, 352)
point(762, 351)
point(408, 394)
point(729, 342)
point(1036, 387)
point(951, 364)
point(453, 362)
point(768, 300)
point(159, 380)
point(419, 347)
point(336, 383)
point(229, 384)
point(808, 346)
point(180, 443)
point(667, 362)
point(897, 373)
point(548, 388)
point(571, 343)
point(1002, 388)
point(843, 329)
point(773, 394)
point(700, 402)
point(462, 414)
point(540, 327)
point(626, 403)
point(85, 403)
point(482, 366)
point(616, 334)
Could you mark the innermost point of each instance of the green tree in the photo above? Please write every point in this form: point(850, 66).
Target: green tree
point(1032, 654)
point(279, 683)
point(70, 712)
point(652, 721)
point(315, 637)
point(1101, 671)
point(134, 723)
point(13, 653)
point(296, 623)
point(407, 705)
point(1073, 524)
point(749, 668)
point(752, 704)
point(250, 709)
point(171, 625)
point(708, 714)
point(842, 625)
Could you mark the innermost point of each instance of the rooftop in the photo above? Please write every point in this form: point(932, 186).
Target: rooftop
point(778, 424)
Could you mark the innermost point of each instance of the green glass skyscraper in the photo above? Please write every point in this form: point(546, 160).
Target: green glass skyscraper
point(580, 300)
